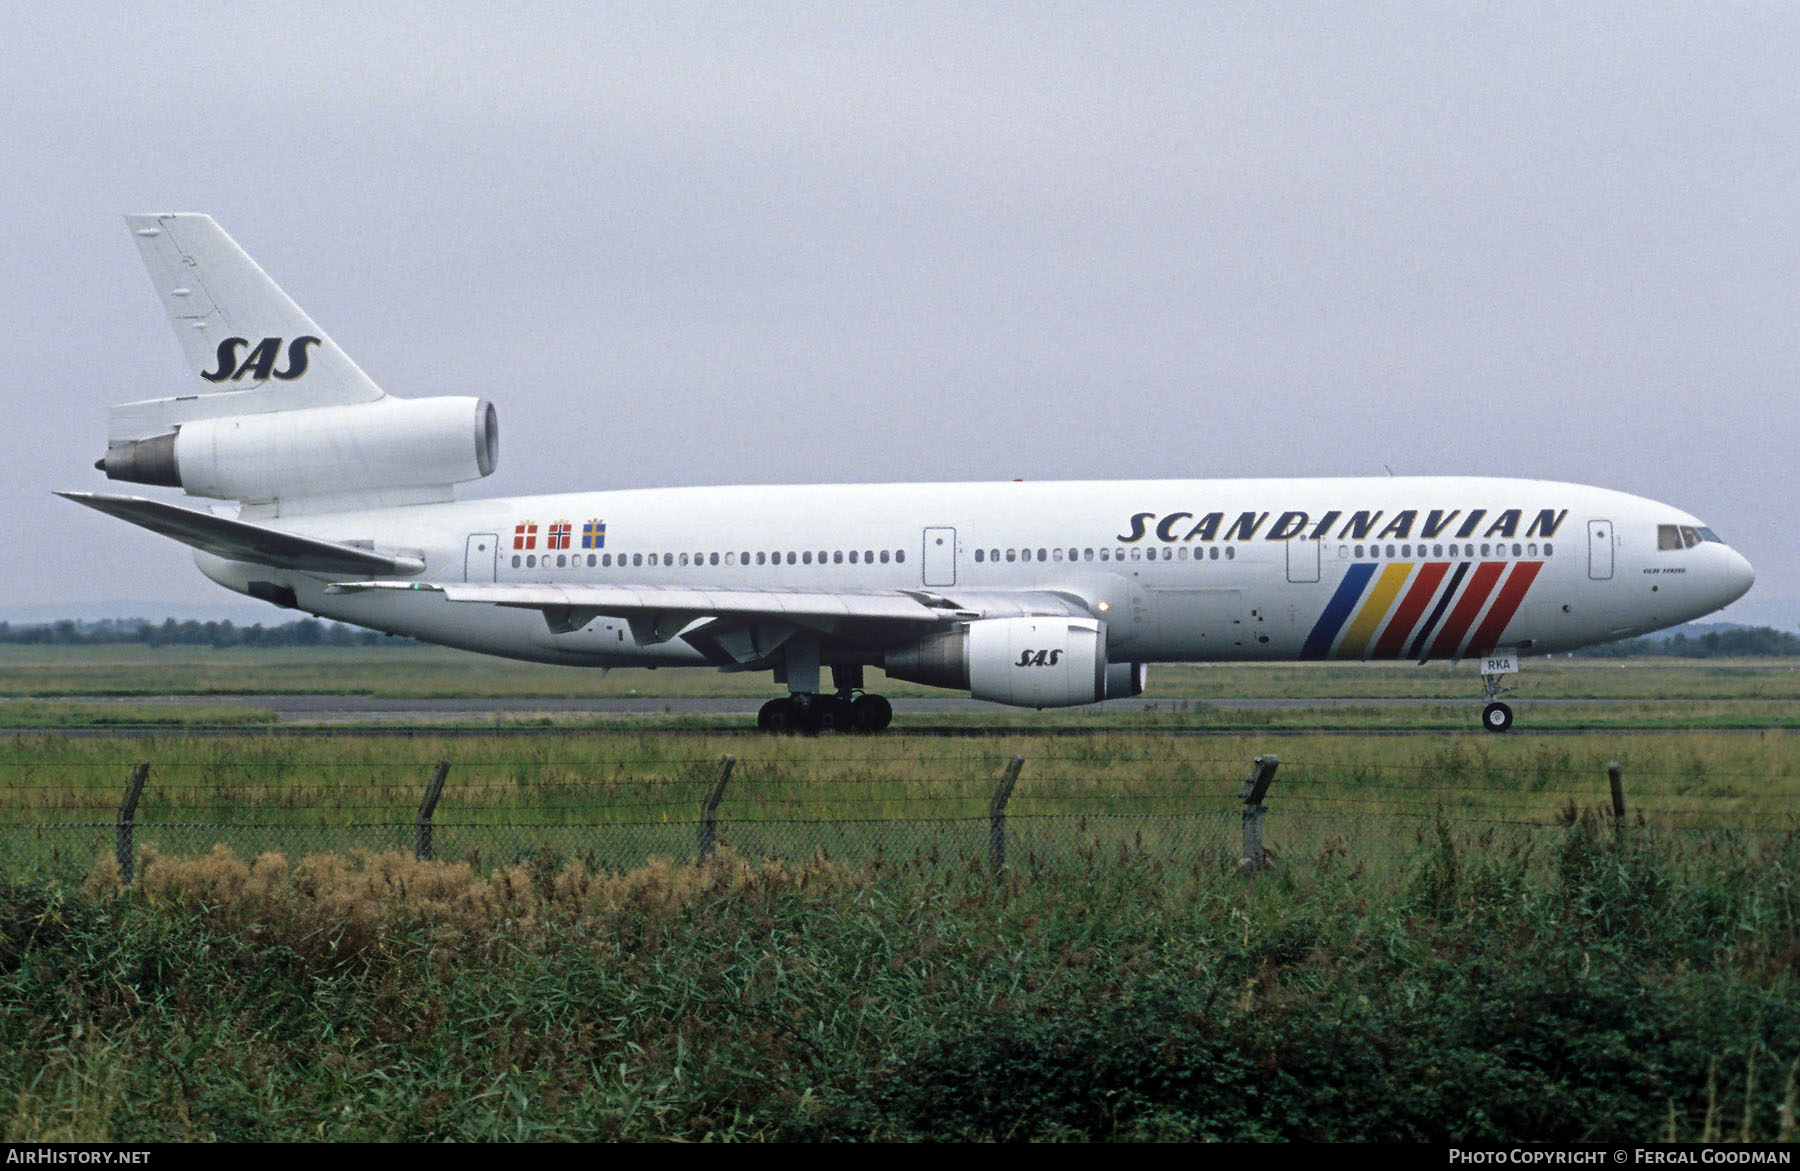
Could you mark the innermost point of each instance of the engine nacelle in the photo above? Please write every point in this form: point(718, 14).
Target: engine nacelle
point(392, 443)
point(1026, 662)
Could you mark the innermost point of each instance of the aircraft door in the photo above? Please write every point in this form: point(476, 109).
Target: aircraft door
point(1600, 550)
point(481, 557)
point(1302, 559)
point(940, 557)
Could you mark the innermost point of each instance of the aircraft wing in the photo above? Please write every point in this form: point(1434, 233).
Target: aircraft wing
point(741, 627)
point(239, 540)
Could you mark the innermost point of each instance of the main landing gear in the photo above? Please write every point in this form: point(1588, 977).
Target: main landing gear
point(804, 712)
point(850, 710)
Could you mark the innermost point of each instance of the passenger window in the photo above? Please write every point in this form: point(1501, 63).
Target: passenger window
point(899, 554)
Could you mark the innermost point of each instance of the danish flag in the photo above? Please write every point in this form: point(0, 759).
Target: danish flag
point(525, 536)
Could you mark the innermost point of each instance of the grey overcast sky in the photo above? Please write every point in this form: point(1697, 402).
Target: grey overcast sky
point(730, 243)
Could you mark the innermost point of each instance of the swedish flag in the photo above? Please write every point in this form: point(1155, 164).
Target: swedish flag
point(593, 535)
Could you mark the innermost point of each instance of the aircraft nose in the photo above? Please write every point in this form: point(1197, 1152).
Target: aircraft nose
point(1739, 576)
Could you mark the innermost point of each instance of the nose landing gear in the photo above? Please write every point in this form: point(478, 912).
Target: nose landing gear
point(1496, 716)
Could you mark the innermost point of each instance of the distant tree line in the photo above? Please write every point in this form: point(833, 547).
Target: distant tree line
point(1749, 642)
point(303, 632)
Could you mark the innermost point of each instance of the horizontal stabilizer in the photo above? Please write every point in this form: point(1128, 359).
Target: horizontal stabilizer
point(237, 540)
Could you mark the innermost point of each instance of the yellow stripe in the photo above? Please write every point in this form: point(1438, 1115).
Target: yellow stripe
point(1387, 588)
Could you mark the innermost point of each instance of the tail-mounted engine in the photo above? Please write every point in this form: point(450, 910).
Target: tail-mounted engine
point(1026, 662)
point(390, 445)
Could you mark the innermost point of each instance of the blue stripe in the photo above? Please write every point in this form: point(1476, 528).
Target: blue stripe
point(1318, 643)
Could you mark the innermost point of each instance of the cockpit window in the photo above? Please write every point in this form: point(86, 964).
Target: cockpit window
point(1683, 536)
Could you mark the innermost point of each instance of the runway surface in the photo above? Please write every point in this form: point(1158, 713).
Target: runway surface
point(325, 714)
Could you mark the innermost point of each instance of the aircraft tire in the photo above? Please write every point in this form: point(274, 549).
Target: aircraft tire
point(831, 714)
point(1496, 717)
point(779, 716)
point(871, 713)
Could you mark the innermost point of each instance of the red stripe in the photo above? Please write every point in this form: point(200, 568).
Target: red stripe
point(1511, 594)
point(1481, 584)
point(1406, 616)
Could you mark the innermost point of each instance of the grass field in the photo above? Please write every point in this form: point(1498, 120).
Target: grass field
point(1450, 941)
point(412, 670)
point(178, 686)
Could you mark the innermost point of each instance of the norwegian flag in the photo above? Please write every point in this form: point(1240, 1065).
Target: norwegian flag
point(559, 535)
point(525, 536)
point(593, 535)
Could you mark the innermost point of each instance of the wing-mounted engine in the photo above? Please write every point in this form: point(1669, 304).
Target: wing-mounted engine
point(278, 415)
point(1027, 662)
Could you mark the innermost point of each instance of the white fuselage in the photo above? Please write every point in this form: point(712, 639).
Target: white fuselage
point(1254, 569)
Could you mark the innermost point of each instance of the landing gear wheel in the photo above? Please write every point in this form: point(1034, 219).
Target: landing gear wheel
point(871, 713)
point(780, 716)
point(1496, 717)
point(831, 714)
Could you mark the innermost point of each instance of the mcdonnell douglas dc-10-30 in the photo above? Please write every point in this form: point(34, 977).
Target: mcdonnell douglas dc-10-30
point(1037, 595)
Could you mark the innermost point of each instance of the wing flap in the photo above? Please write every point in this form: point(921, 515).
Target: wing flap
point(238, 540)
point(564, 604)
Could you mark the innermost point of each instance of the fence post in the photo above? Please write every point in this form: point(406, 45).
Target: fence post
point(997, 815)
point(1614, 779)
point(709, 809)
point(128, 810)
point(422, 828)
point(1256, 786)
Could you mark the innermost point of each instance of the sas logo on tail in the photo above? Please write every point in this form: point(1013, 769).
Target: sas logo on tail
point(259, 363)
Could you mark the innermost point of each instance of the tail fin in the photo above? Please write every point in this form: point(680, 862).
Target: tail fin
point(283, 419)
point(251, 349)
